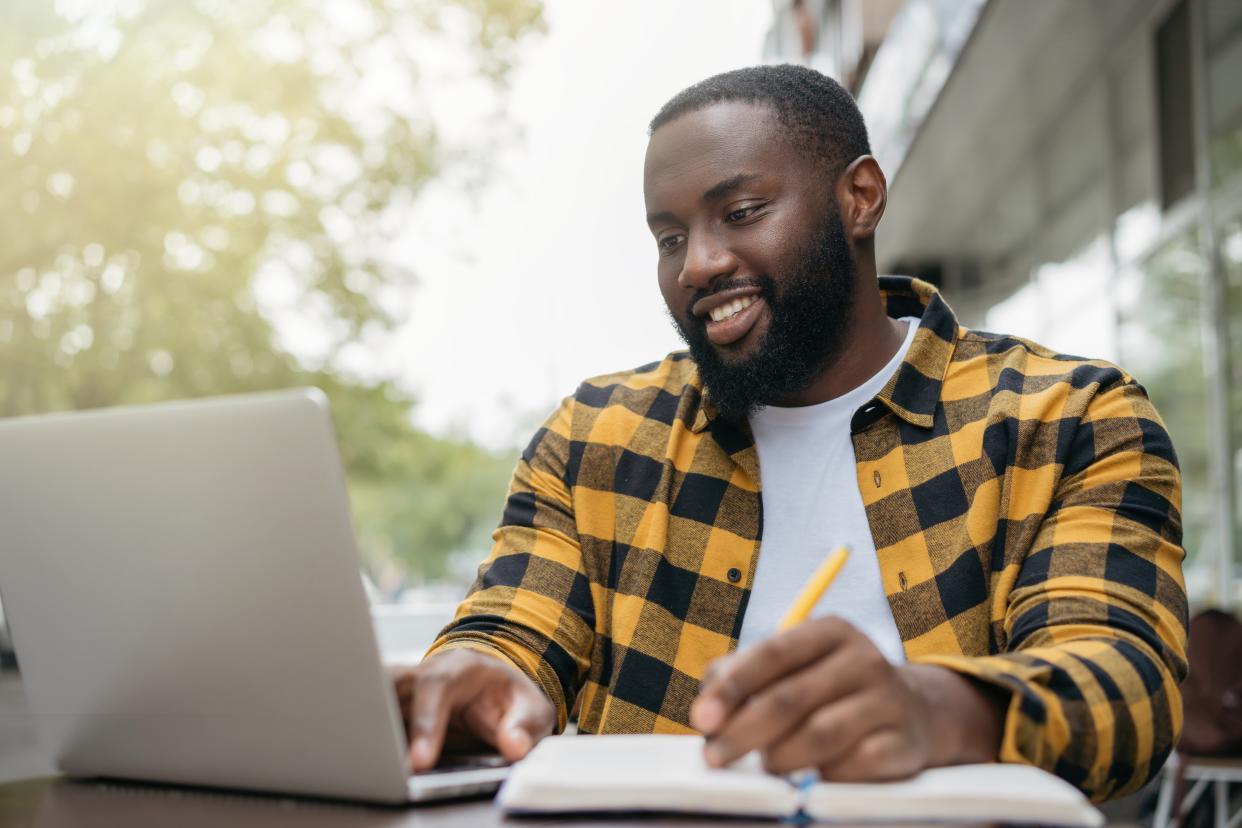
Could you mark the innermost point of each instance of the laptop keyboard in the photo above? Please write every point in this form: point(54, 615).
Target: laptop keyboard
point(455, 763)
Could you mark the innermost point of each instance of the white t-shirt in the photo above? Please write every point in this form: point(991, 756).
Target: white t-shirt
point(811, 505)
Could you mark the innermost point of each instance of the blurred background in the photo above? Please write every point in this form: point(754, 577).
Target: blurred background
point(432, 209)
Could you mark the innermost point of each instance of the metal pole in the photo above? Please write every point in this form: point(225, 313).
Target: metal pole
point(1214, 318)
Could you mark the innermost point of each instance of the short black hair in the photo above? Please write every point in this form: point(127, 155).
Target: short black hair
point(822, 118)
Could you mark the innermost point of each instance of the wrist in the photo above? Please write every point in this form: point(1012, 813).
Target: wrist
point(964, 720)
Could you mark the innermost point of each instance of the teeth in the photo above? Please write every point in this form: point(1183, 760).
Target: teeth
point(725, 311)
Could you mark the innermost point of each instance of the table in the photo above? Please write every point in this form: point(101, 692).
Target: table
point(52, 802)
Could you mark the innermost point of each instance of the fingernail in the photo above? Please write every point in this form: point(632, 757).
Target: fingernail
point(711, 754)
point(421, 751)
point(520, 740)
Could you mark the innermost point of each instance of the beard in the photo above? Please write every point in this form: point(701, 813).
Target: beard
point(806, 333)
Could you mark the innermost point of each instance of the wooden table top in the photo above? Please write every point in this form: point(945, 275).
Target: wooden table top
point(52, 802)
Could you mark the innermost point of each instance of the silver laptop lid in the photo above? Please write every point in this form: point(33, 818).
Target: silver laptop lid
point(184, 595)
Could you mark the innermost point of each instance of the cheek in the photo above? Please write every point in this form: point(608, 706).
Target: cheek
point(675, 296)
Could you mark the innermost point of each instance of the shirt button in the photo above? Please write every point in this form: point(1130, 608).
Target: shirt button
point(876, 478)
point(734, 575)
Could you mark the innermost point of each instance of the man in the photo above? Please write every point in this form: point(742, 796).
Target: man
point(1014, 592)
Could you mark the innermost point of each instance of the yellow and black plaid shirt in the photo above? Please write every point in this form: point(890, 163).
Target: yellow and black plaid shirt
point(1024, 505)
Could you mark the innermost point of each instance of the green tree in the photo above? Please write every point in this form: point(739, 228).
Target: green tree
point(182, 177)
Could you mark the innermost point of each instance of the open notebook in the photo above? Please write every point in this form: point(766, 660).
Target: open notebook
point(667, 773)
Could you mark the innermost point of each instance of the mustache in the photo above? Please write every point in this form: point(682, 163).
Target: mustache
point(762, 282)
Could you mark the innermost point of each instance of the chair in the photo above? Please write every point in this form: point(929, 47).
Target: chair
point(1200, 772)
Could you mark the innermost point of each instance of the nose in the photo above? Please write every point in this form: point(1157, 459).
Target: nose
point(706, 259)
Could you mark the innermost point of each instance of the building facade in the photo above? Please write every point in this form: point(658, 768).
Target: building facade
point(1071, 172)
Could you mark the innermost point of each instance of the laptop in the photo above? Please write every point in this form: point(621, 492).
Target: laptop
point(182, 586)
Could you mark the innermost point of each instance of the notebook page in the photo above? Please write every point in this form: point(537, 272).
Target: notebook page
point(985, 793)
point(640, 773)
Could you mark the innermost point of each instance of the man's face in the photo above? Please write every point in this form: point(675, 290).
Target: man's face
point(754, 263)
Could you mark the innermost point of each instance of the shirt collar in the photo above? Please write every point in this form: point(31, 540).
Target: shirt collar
point(914, 389)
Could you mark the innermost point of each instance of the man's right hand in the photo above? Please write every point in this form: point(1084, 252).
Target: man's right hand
point(464, 697)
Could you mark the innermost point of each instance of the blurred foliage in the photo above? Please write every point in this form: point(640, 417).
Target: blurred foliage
point(417, 499)
point(182, 178)
point(1231, 248)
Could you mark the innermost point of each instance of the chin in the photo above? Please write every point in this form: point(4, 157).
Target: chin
point(745, 348)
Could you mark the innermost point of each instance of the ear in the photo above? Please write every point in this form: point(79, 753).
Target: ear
point(862, 193)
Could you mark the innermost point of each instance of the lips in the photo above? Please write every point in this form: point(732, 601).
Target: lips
point(735, 326)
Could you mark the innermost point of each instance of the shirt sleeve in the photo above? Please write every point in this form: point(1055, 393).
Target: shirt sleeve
point(532, 603)
point(1096, 621)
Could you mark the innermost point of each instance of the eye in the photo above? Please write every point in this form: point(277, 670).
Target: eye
point(738, 214)
point(669, 243)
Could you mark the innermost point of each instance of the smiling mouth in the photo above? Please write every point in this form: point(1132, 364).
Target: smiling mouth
point(732, 309)
point(729, 323)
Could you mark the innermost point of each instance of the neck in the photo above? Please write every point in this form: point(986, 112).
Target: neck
point(871, 341)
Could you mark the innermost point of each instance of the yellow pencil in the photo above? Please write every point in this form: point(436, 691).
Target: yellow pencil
point(814, 589)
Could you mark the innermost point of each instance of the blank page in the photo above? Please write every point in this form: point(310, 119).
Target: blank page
point(988, 793)
point(640, 773)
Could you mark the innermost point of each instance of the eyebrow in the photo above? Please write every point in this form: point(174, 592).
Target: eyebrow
point(728, 185)
point(659, 218)
point(710, 194)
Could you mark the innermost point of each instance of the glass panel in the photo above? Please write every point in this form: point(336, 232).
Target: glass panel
point(1134, 102)
point(1224, 67)
point(1020, 314)
point(1067, 306)
point(1161, 345)
point(1079, 307)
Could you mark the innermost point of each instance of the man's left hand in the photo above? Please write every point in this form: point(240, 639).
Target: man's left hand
point(822, 696)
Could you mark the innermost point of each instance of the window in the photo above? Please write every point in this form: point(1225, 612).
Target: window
point(1223, 23)
point(1175, 104)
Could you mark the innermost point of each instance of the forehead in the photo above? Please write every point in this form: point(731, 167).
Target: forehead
point(699, 149)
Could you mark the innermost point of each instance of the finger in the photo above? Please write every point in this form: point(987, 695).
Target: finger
point(403, 682)
point(430, 709)
point(776, 712)
point(745, 673)
point(879, 756)
point(826, 735)
point(708, 712)
point(529, 718)
point(480, 719)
